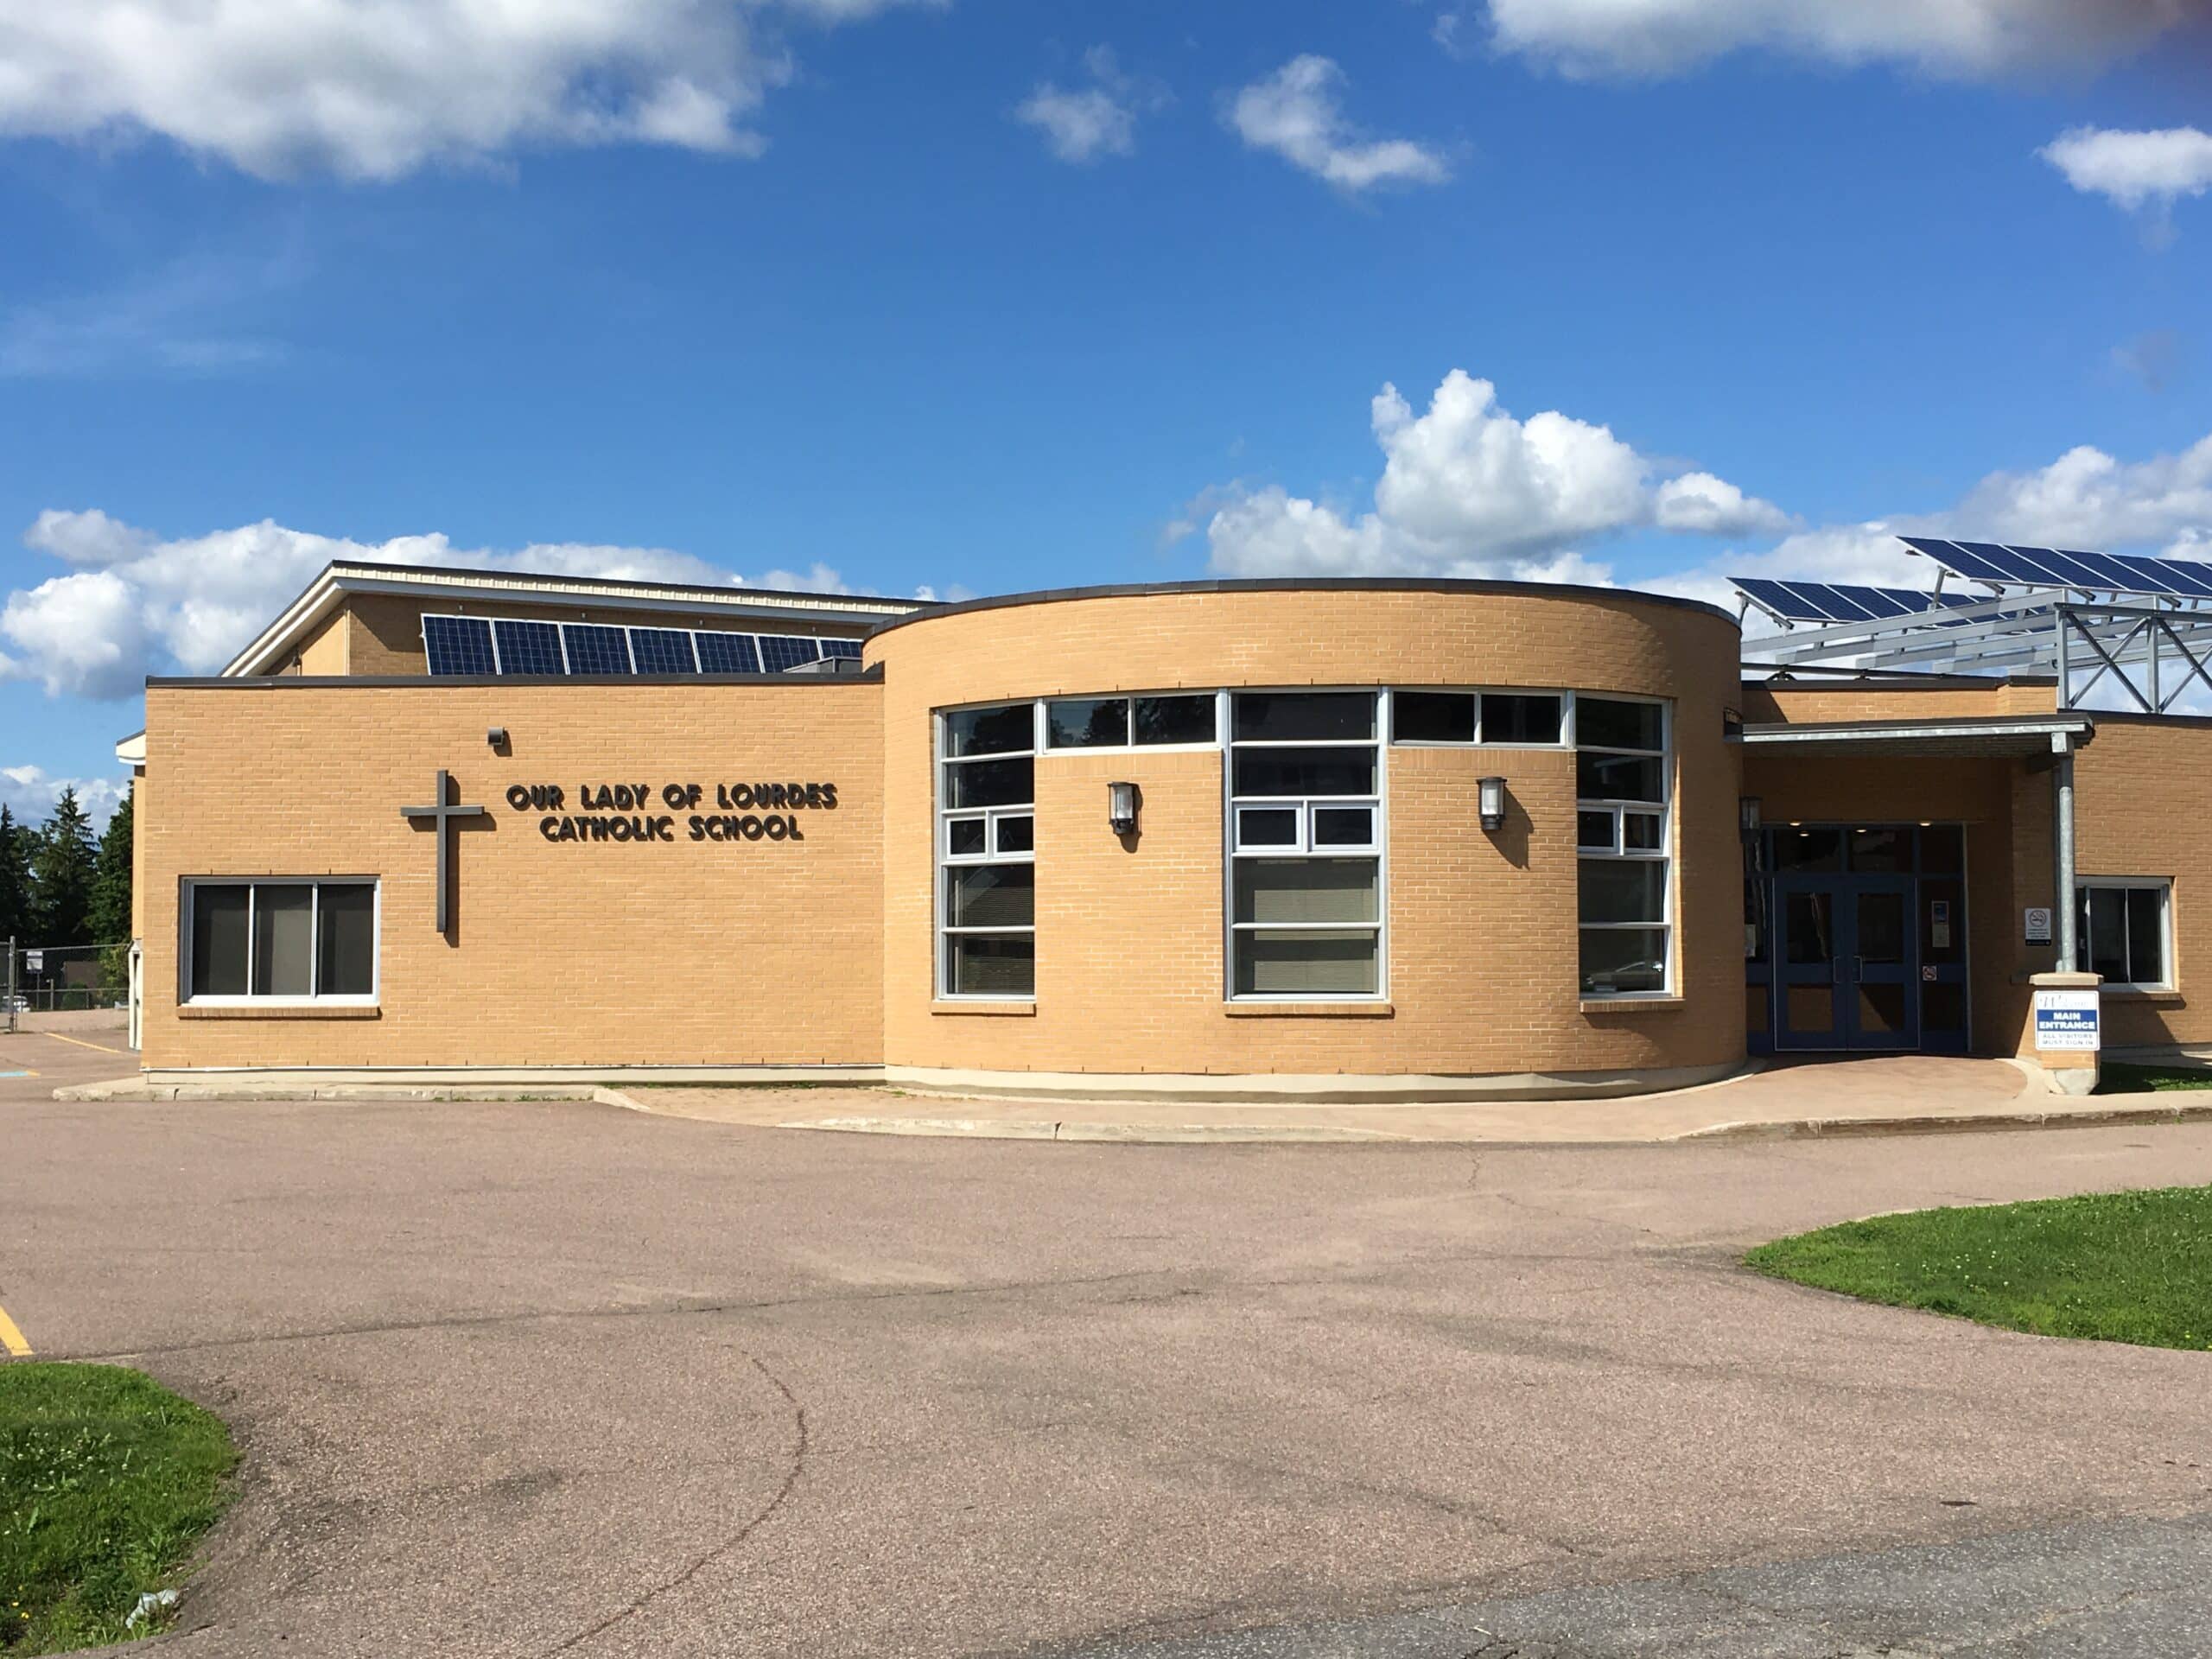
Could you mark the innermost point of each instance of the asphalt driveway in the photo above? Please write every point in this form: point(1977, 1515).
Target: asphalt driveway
point(540, 1379)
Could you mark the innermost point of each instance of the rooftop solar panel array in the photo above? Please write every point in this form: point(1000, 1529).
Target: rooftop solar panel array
point(1829, 602)
point(511, 645)
point(2052, 567)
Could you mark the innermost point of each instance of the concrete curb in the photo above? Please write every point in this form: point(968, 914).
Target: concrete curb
point(1980, 1122)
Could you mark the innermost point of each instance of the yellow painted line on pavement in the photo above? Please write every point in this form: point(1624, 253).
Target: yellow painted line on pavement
point(80, 1042)
point(11, 1338)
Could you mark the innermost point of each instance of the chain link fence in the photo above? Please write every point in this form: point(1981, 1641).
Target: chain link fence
point(48, 979)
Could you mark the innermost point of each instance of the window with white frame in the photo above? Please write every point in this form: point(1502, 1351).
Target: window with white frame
point(299, 941)
point(1491, 719)
point(1130, 722)
point(1304, 831)
point(2123, 929)
point(987, 852)
point(1623, 785)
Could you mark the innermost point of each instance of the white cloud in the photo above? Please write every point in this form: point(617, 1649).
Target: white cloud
point(2135, 169)
point(1961, 38)
point(1083, 123)
point(2084, 498)
point(1294, 114)
point(1469, 490)
point(1702, 504)
point(136, 601)
point(377, 91)
point(30, 794)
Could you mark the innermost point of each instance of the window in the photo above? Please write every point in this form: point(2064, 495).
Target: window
point(1494, 719)
point(2122, 927)
point(1621, 784)
point(1305, 839)
point(987, 852)
point(1125, 723)
point(283, 941)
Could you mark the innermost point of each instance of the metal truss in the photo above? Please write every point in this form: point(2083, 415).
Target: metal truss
point(2153, 654)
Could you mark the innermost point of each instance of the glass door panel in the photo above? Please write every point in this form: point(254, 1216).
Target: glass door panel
point(1809, 964)
point(1884, 966)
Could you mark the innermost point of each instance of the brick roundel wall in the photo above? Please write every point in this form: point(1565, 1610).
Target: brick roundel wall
point(1483, 969)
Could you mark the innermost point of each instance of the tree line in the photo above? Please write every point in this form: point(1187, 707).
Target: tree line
point(60, 884)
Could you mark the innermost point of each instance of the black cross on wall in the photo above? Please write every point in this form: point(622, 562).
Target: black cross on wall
point(439, 817)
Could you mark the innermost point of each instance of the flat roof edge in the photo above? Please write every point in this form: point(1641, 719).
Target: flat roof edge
point(1311, 584)
point(872, 676)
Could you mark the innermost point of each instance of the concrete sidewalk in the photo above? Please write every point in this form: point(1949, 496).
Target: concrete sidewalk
point(1878, 1095)
point(1885, 1094)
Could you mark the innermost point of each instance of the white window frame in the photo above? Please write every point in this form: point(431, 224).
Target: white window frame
point(2163, 886)
point(1478, 692)
point(1662, 855)
point(191, 884)
point(1129, 745)
point(944, 859)
point(1305, 805)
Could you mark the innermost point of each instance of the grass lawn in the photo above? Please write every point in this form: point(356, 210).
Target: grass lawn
point(106, 1480)
point(2122, 1267)
point(2119, 1079)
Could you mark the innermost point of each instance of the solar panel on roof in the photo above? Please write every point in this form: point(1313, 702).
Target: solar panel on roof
point(1833, 602)
point(1952, 556)
point(2110, 572)
point(458, 645)
point(594, 648)
point(1777, 598)
point(726, 653)
point(847, 649)
point(779, 652)
point(528, 647)
point(663, 651)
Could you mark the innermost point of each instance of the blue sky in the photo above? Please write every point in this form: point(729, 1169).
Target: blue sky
point(985, 295)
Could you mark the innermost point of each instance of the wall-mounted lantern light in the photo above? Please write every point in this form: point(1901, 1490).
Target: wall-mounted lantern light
point(1492, 800)
point(1747, 813)
point(497, 737)
point(1121, 801)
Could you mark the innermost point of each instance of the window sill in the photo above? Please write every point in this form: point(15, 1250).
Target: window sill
point(279, 1011)
point(1309, 1010)
point(989, 1010)
point(1628, 1004)
point(2161, 995)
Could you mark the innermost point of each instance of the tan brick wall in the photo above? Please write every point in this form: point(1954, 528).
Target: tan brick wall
point(2141, 809)
point(1483, 941)
point(384, 631)
point(561, 954)
point(1812, 704)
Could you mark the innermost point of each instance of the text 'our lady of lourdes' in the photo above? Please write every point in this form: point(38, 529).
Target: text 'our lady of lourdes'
point(628, 812)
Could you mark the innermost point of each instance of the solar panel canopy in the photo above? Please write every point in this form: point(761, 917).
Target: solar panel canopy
point(486, 648)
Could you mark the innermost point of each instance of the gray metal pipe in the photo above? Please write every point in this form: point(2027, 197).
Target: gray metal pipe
point(2063, 781)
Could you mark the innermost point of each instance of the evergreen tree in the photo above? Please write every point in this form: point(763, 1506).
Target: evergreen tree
point(61, 877)
point(110, 918)
point(15, 877)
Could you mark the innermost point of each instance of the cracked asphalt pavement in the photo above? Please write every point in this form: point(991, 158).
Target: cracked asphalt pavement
point(538, 1379)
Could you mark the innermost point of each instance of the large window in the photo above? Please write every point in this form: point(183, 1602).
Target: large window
point(2123, 929)
point(1306, 838)
point(1130, 722)
point(987, 852)
point(1492, 719)
point(1621, 773)
point(282, 941)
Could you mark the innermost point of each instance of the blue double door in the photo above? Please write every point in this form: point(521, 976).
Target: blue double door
point(1846, 967)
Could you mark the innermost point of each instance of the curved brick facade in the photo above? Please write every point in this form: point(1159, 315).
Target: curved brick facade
point(1483, 968)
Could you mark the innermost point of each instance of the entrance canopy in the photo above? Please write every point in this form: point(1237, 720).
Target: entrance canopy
point(1999, 734)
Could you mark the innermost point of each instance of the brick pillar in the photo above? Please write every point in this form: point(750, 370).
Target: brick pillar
point(2072, 1068)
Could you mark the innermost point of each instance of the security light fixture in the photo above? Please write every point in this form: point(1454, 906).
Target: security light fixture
point(1747, 813)
point(1493, 802)
point(1122, 808)
point(497, 737)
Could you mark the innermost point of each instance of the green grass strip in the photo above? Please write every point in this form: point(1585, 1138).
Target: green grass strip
point(2120, 1267)
point(2118, 1078)
point(106, 1481)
